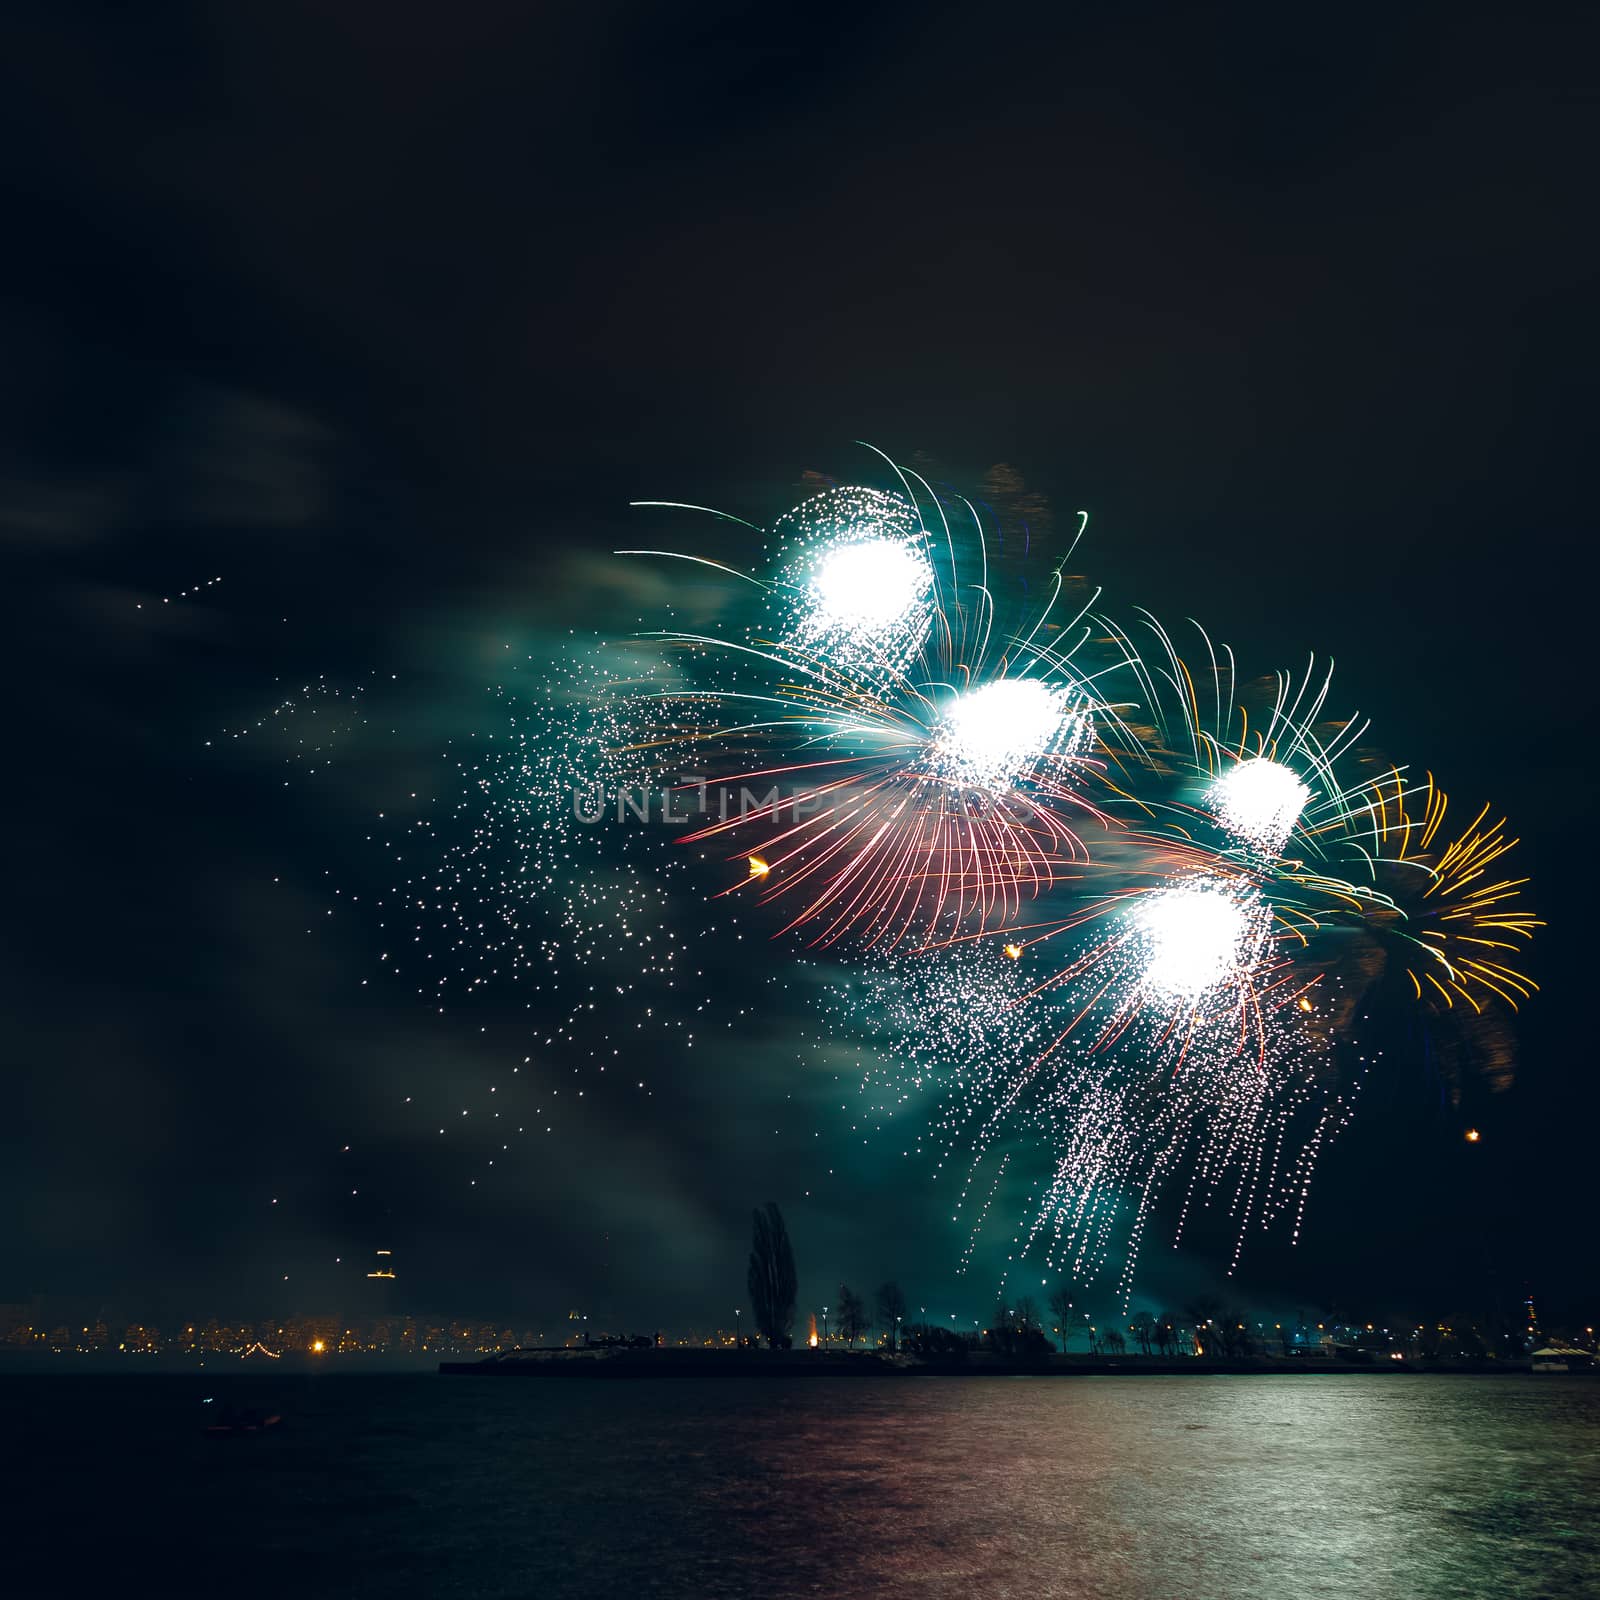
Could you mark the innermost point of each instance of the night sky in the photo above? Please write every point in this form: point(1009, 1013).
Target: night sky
point(383, 314)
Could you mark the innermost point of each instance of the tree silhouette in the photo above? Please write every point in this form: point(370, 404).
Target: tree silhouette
point(1061, 1310)
point(852, 1315)
point(1143, 1328)
point(772, 1280)
point(1202, 1314)
point(1015, 1334)
point(1232, 1335)
point(1166, 1333)
point(891, 1308)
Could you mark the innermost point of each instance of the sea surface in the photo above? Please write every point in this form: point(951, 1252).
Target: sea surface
point(1150, 1488)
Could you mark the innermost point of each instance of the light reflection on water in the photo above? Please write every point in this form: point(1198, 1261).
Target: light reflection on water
point(1146, 1488)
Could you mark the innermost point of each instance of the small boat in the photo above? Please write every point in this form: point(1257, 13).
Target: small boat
point(230, 1423)
point(1562, 1358)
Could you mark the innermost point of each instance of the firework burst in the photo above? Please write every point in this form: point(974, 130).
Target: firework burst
point(918, 775)
point(1111, 915)
point(1465, 925)
point(854, 585)
point(1188, 1034)
point(1263, 782)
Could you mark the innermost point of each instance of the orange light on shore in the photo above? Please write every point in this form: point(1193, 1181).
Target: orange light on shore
point(1473, 1136)
point(317, 1347)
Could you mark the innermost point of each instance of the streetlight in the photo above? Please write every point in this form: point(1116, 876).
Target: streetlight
point(824, 1327)
point(738, 1343)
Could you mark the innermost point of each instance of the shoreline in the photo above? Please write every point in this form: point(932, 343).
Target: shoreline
point(581, 1371)
point(634, 1365)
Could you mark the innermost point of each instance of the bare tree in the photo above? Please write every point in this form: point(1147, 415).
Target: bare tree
point(1143, 1328)
point(1202, 1314)
point(1014, 1332)
point(891, 1308)
point(1167, 1333)
point(1235, 1333)
point(1061, 1309)
point(852, 1315)
point(1112, 1342)
point(772, 1280)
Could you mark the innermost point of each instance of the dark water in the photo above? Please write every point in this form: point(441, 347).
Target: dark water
point(1392, 1486)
